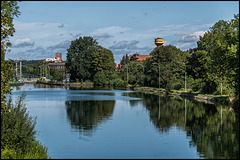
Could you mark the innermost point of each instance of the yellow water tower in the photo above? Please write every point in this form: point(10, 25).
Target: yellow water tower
point(159, 41)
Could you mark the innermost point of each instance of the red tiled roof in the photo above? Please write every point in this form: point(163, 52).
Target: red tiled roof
point(139, 58)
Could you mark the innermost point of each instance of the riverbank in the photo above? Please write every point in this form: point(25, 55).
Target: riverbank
point(226, 100)
point(74, 84)
point(217, 99)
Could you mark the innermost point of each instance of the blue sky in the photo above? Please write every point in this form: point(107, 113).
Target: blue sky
point(125, 27)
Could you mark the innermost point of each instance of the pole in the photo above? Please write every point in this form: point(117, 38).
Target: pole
point(16, 69)
point(185, 75)
point(142, 74)
point(20, 70)
point(221, 87)
point(127, 74)
point(158, 74)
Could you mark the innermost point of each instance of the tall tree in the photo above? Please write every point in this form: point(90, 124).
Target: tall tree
point(171, 72)
point(103, 61)
point(218, 53)
point(9, 9)
point(80, 58)
point(85, 58)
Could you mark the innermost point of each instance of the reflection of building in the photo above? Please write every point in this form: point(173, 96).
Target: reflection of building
point(57, 65)
point(58, 58)
point(136, 57)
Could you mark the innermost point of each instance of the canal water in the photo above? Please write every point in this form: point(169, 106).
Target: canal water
point(118, 124)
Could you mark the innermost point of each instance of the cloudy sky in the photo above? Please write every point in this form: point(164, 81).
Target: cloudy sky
point(125, 27)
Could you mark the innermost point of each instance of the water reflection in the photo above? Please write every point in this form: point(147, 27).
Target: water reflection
point(85, 116)
point(213, 129)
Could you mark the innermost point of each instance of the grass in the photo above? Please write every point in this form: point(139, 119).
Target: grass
point(217, 98)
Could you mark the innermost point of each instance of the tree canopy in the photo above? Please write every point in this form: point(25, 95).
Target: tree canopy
point(216, 57)
point(9, 9)
point(85, 58)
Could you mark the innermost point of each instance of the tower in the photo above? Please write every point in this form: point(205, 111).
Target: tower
point(159, 41)
point(59, 57)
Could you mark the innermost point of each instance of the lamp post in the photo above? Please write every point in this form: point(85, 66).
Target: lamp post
point(185, 74)
point(159, 74)
point(143, 73)
point(127, 73)
point(221, 78)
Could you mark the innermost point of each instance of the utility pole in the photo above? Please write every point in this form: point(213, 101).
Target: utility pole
point(16, 70)
point(127, 73)
point(158, 74)
point(20, 69)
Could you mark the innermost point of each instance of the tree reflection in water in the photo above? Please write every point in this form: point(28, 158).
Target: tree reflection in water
point(213, 129)
point(85, 116)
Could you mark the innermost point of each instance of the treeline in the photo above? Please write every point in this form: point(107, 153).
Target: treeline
point(214, 60)
point(210, 68)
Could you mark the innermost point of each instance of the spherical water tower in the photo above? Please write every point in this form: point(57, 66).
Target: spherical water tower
point(159, 41)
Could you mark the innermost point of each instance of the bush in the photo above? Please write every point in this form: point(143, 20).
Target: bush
point(99, 79)
point(17, 127)
point(119, 83)
point(37, 151)
point(8, 153)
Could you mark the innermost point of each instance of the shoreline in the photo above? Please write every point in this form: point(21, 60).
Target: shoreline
point(198, 97)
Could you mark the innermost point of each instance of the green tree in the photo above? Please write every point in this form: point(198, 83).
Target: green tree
point(9, 9)
point(171, 72)
point(99, 79)
point(85, 58)
point(80, 58)
point(57, 74)
point(135, 72)
point(103, 61)
point(217, 57)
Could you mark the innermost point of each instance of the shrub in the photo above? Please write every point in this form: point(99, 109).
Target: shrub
point(99, 79)
point(119, 83)
point(8, 153)
point(17, 127)
point(37, 151)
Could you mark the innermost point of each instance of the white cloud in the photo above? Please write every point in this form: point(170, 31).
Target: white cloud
point(102, 35)
point(125, 45)
point(26, 42)
point(111, 30)
point(197, 34)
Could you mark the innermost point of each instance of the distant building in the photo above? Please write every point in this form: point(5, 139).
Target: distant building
point(138, 58)
point(57, 65)
point(58, 58)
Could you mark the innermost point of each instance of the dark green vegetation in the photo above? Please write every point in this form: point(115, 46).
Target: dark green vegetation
point(17, 128)
point(9, 10)
point(18, 133)
point(86, 60)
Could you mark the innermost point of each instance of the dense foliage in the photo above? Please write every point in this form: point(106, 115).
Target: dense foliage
point(85, 58)
point(18, 133)
point(9, 9)
point(216, 58)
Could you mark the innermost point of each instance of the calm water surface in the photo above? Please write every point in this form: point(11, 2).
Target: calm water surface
point(123, 124)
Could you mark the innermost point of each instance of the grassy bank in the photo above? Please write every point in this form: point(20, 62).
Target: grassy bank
point(224, 99)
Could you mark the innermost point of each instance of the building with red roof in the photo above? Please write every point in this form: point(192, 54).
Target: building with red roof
point(138, 58)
